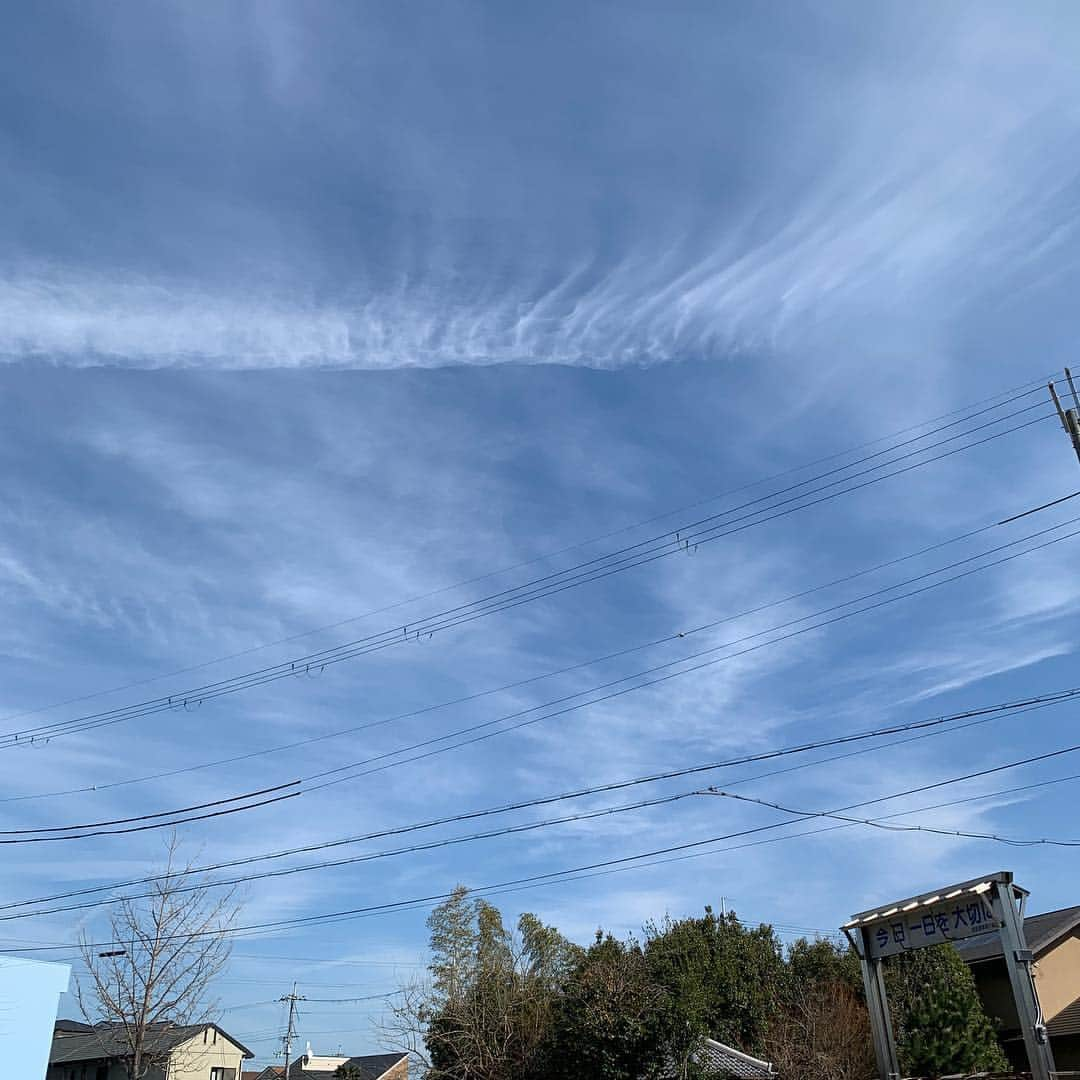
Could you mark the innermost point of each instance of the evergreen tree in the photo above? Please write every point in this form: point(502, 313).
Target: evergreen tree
point(612, 1020)
point(823, 961)
point(724, 980)
point(940, 1024)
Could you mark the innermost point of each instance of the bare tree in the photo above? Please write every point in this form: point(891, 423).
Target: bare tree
point(823, 1035)
point(166, 948)
point(404, 1024)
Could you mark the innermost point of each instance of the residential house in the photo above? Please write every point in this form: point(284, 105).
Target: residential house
point(271, 1072)
point(370, 1067)
point(1054, 940)
point(98, 1051)
point(29, 997)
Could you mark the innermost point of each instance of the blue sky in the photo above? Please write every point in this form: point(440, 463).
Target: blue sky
point(308, 310)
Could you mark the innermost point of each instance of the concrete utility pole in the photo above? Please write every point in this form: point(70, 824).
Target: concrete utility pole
point(292, 999)
point(1070, 417)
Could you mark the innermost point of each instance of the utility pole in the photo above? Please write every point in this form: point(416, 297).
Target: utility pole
point(292, 999)
point(1070, 417)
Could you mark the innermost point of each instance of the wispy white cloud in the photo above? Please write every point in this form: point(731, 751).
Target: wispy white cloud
point(909, 226)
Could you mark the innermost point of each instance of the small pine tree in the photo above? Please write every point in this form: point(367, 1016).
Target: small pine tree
point(940, 1023)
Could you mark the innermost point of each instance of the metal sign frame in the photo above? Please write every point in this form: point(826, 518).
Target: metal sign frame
point(874, 935)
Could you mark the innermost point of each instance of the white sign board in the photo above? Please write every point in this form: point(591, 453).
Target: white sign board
point(931, 924)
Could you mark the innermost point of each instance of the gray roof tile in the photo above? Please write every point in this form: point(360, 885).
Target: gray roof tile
point(107, 1040)
point(1040, 931)
point(1067, 1022)
point(371, 1067)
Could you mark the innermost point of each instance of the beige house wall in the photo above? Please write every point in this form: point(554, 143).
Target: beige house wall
point(194, 1059)
point(1057, 981)
point(1057, 976)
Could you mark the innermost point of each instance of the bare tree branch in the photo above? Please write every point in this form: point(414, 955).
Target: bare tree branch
point(174, 944)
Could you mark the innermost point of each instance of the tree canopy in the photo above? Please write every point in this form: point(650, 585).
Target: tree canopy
point(528, 1004)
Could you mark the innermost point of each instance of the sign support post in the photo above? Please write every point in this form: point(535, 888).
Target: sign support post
point(972, 908)
point(878, 1005)
point(1018, 961)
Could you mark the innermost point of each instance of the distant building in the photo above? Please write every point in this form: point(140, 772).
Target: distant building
point(370, 1066)
point(271, 1072)
point(1054, 940)
point(98, 1052)
point(29, 997)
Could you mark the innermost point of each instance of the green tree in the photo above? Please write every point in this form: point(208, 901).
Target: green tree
point(350, 1072)
point(724, 980)
point(612, 1021)
point(822, 962)
point(940, 1024)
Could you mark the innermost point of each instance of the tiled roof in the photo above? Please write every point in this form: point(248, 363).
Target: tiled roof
point(371, 1067)
point(107, 1041)
point(80, 1042)
point(1067, 1022)
point(1040, 931)
point(727, 1061)
point(72, 1027)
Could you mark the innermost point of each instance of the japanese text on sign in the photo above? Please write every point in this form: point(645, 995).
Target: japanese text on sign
point(934, 924)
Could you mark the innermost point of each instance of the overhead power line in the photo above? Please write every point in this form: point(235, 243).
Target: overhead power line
point(149, 817)
point(1011, 394)
point(687, 538)
point(892, 827)
point(488, 734)
point(158, 824)
point(668, 638)
point(936, 723)
point(530, 713)
point(392, 759)
point(325, 918)
point(933, 725)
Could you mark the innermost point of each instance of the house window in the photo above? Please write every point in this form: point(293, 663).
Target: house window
point(217, 1073)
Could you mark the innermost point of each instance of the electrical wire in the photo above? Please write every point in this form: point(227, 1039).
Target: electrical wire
point(147, 817)
point(485, 726)
point(658, 547)
point(1012, 841)
point(476, 695)
point(153, 825)
point(488, 734)
point(932, 724)
point(509, 830)
point(1011, 394)
point(390, 906)
point(452, 841)
point(310, 787)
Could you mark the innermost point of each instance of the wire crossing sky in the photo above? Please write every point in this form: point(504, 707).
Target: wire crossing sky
point(408, 414)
